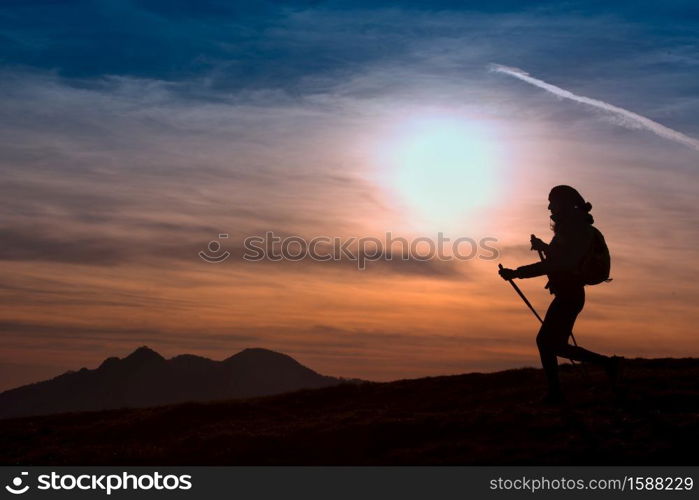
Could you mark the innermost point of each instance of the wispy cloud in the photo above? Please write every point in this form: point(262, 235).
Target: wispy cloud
point(629, 117)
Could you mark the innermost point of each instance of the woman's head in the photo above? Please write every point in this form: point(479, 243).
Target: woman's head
point(565, 203)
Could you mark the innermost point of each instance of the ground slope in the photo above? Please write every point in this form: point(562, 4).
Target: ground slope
point(465, 419)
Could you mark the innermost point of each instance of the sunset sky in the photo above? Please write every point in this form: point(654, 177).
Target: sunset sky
point(133, 133)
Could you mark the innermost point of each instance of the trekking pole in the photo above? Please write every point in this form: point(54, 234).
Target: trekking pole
point(526, 301)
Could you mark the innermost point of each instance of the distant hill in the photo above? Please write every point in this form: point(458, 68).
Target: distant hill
point(473, 419)
point(145, 378)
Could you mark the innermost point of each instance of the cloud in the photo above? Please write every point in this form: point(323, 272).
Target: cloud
point(628, 118)
point(124, 154)
point(174, 249)
point(124, 335)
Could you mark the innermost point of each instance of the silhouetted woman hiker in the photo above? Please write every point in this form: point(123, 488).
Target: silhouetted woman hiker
point(573, 234)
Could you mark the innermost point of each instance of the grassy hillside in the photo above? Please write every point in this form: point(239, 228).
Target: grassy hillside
point(465, 419)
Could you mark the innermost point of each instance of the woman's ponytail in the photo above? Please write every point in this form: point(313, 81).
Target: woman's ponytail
point(588, 216)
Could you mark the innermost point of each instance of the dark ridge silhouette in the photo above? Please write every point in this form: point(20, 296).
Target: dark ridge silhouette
point(145, 378)
point(473, 419)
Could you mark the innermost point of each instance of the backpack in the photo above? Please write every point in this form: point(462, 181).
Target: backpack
point(596, 264)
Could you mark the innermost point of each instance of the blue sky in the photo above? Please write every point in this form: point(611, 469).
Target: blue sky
point(276, 43)
point(208, 50)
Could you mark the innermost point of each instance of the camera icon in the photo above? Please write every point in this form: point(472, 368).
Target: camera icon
point(211, 254)
point(16, 487)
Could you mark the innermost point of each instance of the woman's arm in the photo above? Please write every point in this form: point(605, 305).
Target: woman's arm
point(564, 254)
point(532, 270)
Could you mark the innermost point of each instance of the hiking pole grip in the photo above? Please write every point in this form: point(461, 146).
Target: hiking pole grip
point(540, 252)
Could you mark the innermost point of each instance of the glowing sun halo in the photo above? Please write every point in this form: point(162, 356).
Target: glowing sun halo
point(442, 169)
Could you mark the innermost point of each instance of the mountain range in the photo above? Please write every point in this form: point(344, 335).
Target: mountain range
point(145, 378)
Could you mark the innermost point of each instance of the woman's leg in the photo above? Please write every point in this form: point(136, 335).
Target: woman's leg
point(571, 305)
point(549, 362)
point(552, 339)
point(548, 343)
point(579, 354)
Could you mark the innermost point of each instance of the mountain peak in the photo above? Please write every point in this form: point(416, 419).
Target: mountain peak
point(259, 353)
point(144, 354)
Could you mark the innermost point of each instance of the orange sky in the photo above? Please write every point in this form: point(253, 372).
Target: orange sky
point(135, 277)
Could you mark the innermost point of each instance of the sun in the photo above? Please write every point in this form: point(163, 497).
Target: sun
point(443, 169)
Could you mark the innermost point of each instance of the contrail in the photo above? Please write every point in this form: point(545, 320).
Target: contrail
point(629, 117)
